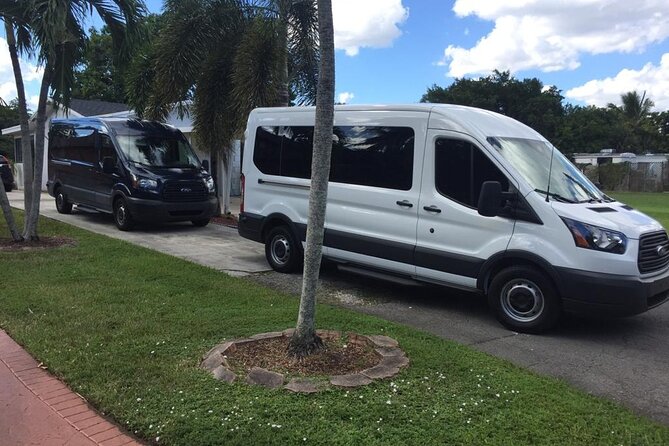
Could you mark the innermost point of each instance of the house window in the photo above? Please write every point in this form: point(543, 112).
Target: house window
point(18, 150)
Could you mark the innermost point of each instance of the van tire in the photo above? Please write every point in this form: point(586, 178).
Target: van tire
point(9, 187)
point(201, 223)
point(63, 206)
point(122, 216)
point(283, 251)
point(524, 299)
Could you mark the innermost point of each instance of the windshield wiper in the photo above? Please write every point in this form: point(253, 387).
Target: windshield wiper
point(555, 196)
point(592, 196)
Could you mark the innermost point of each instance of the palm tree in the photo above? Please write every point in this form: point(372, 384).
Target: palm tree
point(54, 30)
point(635, 110)
point(304, 340)
point(636, 107)
point(219, 59)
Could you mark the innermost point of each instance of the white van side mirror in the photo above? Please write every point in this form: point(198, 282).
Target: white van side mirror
point(490, 199)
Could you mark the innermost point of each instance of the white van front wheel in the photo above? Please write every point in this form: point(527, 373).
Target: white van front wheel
point(524, 299)
point(283, 252)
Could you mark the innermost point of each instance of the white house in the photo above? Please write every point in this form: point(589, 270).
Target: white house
point(609, 156)
point(102, 109)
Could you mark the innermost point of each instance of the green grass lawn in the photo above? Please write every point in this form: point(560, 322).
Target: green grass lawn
point(126, 326)
point(654, 204)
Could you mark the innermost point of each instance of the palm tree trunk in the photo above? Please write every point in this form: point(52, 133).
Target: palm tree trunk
point(305, 341)
point(7, 212)
point(32, 217)
point(23, 116)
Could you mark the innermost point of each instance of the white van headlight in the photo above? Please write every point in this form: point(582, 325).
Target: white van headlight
point(209, 181)
point(593, 237)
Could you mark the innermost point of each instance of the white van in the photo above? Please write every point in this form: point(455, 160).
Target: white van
point(456, 196)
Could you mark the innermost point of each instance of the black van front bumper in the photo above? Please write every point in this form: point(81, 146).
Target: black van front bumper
point(155, 211)
point(609, 294)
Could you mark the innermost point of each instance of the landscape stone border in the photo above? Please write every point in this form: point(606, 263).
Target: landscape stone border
point(392, 360)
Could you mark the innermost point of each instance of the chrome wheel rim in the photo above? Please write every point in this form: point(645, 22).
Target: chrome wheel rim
point(280, 249)
point(522, 300)
point(60, 201)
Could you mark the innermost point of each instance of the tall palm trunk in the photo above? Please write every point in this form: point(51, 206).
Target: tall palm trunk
point(23, 116)
point(305, 341)
point(32, 217)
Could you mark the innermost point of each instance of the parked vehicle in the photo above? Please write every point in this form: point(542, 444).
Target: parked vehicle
point(136, 170)
point(6, 174)
point(456, 196)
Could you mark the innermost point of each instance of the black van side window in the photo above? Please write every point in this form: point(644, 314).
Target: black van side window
point(74, 144)
point(460, 170)
point(106, 147)
point(364, 155)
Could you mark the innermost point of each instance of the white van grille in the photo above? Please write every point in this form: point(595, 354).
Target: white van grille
point(653, 252)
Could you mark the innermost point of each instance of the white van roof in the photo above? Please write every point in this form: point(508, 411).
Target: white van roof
point(459, 118)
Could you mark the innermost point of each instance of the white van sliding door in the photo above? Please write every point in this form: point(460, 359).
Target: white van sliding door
point(374, 189)
point(453, 240)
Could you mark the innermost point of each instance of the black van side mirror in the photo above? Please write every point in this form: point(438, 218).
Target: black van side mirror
point(108, 165)
point(205, 165)
point(490, 199)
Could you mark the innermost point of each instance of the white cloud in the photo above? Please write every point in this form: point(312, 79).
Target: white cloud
point(551, 35)
point(345, 97)
point(367, 23)
point(29, 72)
point(652, 79)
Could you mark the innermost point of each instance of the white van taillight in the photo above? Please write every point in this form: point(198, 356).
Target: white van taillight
point(241, 203)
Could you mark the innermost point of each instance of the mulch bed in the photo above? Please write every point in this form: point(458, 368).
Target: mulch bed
point(9, 245)
point(337, 358)
point(228, 220)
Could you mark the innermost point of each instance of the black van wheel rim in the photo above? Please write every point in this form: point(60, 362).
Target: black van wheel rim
point(120, 213)
point(280, 249)
point(522, 300)
point(60, 200)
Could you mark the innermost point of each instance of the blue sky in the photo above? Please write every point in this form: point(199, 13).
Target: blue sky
point(390, 51)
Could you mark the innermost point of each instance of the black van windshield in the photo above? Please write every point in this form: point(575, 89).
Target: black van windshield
point(158, 151)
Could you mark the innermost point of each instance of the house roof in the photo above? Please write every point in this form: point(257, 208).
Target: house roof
point(86, 107)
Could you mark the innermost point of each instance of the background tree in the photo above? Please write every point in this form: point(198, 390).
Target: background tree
point(9, 117)
point(100, 75)
point(304, 340)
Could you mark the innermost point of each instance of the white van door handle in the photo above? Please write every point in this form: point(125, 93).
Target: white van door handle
point(405, 203)
point(432, 208)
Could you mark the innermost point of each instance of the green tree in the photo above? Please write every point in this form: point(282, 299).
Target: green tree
point(53, 31)
point(635, 110)
point(220, 59)
point(526, 100)
point(590, 129)
point(305, 341)
point(101, 75)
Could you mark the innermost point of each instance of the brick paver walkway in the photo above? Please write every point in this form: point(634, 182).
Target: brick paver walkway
point(38, 409)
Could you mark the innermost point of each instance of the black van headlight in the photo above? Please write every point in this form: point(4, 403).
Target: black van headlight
point(593, 237)
point(209, 181)
point(146, 184)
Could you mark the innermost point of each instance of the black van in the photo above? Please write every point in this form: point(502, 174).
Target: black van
point(136, 170)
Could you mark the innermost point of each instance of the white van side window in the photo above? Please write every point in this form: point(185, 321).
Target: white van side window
point(364, 155)
point(461, 169)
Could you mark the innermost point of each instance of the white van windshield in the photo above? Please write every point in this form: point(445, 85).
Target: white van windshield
point(157, 151)
point(538, 161)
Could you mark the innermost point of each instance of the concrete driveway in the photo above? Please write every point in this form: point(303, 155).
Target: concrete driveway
point(625, 360)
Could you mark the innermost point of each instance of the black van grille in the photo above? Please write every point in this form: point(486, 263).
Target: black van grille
point(653, 252)
point(185, 191)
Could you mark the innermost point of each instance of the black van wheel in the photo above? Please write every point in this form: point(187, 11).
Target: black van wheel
point(524, 299)
point(282, 250)
point(62, 205)
point(122, 216)
point(201, 223)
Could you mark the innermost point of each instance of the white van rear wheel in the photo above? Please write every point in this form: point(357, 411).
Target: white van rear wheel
point(524, 299)
point(283, 252)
